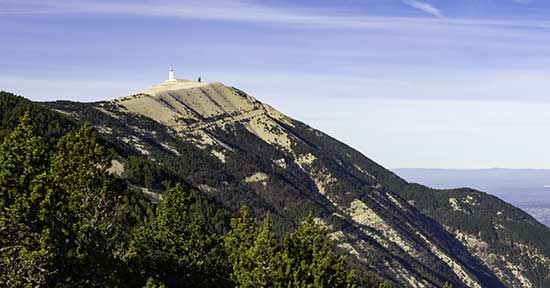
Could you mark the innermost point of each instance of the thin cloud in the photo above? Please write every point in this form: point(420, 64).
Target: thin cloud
point(423, 6)
point(205, 10)
point(242, 11)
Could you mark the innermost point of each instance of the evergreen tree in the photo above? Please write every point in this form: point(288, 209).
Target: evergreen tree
point(303, 259)
point(254, 253)
point(60, 217)
point(241, 236)
point(86, 220)
point(312, 264)
point(175, 248)
point(24, 238)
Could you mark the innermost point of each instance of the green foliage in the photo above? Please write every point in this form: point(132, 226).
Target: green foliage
point(303, 259)
point(147, 174)
point(152, 283)
point(60, 216)
point(312, 262)
point(24, 237)
point(83, 201)
point(253, 253)
point(175, 247)
point(49, 125)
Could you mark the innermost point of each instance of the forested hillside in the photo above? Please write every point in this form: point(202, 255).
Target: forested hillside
point(237, 150)
point(67, 221)
point(212, 148)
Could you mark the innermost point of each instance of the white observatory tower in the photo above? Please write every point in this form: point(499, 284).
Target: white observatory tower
point(171, 76)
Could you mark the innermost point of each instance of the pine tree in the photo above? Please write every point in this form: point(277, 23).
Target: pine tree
point(304, 259)
point(175, 247)
point(254, 253)
point(311, 260)
point(241, 236)
point(84, 201)
point(23, 238)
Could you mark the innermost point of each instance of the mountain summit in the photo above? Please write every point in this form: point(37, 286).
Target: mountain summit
point(239, 150)
point(186, 105)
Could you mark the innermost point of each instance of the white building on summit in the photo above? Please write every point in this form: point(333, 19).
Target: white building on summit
point(171, 76)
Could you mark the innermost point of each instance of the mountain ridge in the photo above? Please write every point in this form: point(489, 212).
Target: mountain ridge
point(282, 166)
point(524, 188)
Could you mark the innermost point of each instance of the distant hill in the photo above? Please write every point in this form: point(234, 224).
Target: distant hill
point(236, 149)
point(528, 189)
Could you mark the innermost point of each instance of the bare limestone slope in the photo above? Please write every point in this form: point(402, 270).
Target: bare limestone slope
point(238, 149)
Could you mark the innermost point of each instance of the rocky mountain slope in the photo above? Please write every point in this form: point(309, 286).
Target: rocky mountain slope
point(237, 149)
point(524, 188)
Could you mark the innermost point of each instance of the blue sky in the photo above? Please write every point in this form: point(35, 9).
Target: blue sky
point(439, 84)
